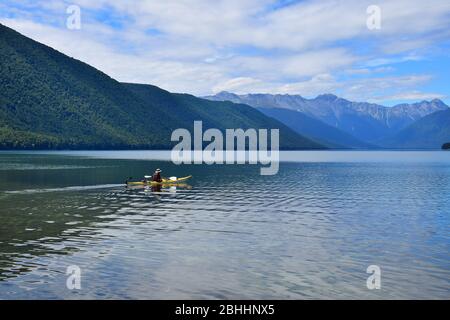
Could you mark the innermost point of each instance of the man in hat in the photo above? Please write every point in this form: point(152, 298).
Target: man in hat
point(157, 176)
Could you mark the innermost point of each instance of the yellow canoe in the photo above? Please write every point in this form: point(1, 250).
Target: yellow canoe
point(154, 183)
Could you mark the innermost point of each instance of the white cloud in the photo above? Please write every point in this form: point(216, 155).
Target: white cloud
point(378, 89)
point(392, 60)
point(301, 26)
point(308, 88)
point(238, 85)
point(316, 85)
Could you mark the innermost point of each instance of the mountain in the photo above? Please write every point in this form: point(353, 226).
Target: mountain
point(217, 114)
point(365, 121)
point(49, 100)
point(430, 132)
point(315, 129)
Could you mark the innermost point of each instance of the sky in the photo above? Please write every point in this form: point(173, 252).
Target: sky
point(385, 52)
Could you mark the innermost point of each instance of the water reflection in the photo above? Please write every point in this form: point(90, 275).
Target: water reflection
point(308, 232)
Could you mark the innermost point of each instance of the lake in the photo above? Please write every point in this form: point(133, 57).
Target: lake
point(311, 231)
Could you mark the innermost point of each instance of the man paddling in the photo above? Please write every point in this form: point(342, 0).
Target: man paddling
point(157, 176)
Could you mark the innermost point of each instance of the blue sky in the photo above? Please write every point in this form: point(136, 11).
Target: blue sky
point(248, 46)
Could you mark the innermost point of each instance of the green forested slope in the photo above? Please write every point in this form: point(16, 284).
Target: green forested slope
point(51, 101)
point(430, 132)
point(316, 129)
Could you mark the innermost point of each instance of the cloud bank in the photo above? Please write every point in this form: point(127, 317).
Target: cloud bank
point(202, 47)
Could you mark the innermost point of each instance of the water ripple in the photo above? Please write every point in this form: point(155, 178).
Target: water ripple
point(308, 232)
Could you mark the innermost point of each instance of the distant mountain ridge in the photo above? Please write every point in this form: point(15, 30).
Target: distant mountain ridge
point(51, 101)
point(429, 132)
point(316, 129)
point(366, 122)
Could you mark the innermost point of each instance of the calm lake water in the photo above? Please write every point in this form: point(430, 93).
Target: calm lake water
point(310, 231)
